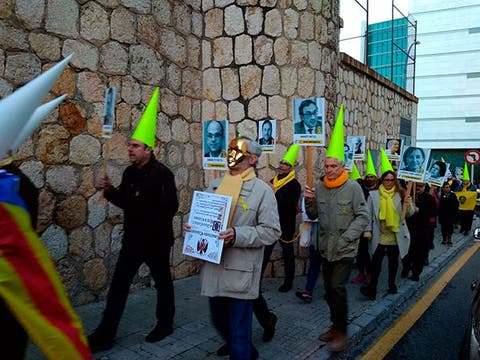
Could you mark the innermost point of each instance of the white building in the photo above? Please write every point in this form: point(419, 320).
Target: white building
point(448, 73)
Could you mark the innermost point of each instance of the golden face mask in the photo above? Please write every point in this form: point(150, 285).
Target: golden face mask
point(237, 151)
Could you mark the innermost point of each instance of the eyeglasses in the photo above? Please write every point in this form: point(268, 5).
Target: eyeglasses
point(389, 180)
point(309, 114)
point(214, 135)
point(284, 163)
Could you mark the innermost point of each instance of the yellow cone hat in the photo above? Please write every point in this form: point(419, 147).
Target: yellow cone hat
point(466, 175)
point(335, 147)
point(385, 164)
point(145, 131)
point(291, 154)
point(355, 174)
point(370, 169)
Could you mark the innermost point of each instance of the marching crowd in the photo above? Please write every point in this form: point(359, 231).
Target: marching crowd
point(357, 221)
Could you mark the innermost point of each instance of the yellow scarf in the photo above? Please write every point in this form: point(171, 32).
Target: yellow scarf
point(278, 183)
point(342, 179)
point(6, 161)
point(388, 212)
point(231, 186)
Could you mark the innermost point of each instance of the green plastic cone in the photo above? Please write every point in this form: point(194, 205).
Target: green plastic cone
point(335, 147)
point(291, 154)
point(145, 131)
point(385, 164)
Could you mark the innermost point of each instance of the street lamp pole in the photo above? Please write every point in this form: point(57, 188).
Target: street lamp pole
point(413, 58)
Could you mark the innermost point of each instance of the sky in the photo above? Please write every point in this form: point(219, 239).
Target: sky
point(354, 18)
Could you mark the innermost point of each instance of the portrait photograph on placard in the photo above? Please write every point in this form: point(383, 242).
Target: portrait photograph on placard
point(413, 163)
point(267, 129)
point(215, 140)
point(348, 148)
point(358, 143)
point(309, 121)
point(437, 172)
point(393, 148)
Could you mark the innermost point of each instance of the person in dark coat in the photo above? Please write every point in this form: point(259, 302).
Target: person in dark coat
point(287, 193)
point(447, 213)
point(420, 227)
point(148, 196)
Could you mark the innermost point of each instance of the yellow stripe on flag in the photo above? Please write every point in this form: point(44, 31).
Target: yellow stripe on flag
point(33, 291)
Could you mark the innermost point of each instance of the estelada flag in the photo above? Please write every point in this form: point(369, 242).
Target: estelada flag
point(33, 291)
point(466, 199)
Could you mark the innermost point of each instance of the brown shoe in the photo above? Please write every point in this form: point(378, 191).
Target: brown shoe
point(327, 335)
point(339, 342)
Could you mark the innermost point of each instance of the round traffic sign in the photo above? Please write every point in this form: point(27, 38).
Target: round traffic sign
point(472, 157)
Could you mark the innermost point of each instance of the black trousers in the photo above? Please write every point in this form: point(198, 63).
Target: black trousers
point(335, 278)
point(288, 259)
point(465, 218)
point(13, 338)
point(418, 250)
point(363, 257)
point(129, 261)
point(392, 253)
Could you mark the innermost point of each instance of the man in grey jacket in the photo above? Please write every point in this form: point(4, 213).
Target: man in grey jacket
point(342, 215)
point(233, 284)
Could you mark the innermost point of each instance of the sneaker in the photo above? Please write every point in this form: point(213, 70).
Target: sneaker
point(328, 335)
point(269, 330)
point(304, 295)
point(339, 342)
point(358, 279)
point(158, 333)
point(100, 342)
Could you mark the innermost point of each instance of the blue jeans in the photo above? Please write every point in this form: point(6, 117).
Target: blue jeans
point(313, 269)
point(233, 320)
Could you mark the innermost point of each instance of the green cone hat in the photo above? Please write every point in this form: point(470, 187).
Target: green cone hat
point(466, 175)
point(145, 131)
point(385, 164)
point(355, 174)
point(291, 154)
point(335, 147)
point(370, 170)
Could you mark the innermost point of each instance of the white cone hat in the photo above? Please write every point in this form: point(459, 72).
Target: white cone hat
point(35, 120)
point(17, 108)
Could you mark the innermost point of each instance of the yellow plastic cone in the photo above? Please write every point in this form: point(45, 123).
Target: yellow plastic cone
point(370, 170)
point(466, 175)
point(291, 154)
point(335, 147)
point(355, 174)
point(145, 131)
point(385, 164)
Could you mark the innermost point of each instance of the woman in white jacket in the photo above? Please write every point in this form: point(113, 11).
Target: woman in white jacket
point(388, 231)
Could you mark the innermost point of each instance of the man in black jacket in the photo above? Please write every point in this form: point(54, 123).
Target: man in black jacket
point(148, 197)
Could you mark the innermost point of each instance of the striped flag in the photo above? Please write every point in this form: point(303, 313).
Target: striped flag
point(33, 291)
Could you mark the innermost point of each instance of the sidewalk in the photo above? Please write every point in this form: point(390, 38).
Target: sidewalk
point(298, 326)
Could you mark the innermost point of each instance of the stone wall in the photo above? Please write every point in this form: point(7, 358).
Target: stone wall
point(213, 59)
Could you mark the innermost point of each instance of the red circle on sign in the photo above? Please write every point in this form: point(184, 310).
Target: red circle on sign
point(472, 157)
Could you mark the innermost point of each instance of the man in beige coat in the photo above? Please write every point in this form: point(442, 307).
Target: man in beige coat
point(233, 284)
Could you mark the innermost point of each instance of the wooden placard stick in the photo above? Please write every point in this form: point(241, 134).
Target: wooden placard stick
point(404, 209)
point(308, 162)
